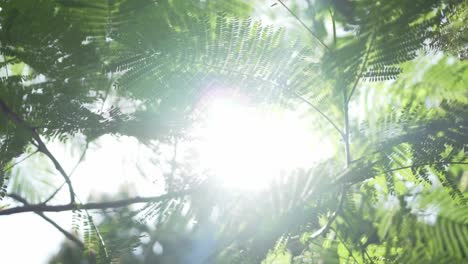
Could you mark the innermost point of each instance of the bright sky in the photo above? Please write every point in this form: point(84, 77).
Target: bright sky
point(247, 146)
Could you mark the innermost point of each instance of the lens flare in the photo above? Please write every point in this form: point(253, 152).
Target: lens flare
point(245, 147)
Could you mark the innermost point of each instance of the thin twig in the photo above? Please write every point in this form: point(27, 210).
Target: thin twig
point(332, 14)
point(304, 25)
point(45, 150)
point(363, 67)
point(59, 228)
point(341, 178)
point(40, 144)
point(90, 206)
point(367, 254)
point(347, 248)
point(346, 116)
point(23, 159)
point(325, 229)
point(363, 249)
point(346, 128)
point(320, 112)
point(425, 164)
point(80, 159)
point(69, 175)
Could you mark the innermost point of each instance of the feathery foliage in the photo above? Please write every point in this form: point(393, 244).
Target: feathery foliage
point(390, 89)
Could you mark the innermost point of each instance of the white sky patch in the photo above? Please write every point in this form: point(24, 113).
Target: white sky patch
point(31, 232)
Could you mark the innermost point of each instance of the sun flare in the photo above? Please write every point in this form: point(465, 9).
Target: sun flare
point(245, 147)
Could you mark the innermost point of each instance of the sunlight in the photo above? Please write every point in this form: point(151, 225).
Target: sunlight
point(246, 147)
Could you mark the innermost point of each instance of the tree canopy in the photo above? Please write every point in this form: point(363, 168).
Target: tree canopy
point(385, 82)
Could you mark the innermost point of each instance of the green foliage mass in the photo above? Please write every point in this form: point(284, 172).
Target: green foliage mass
point(388, 84)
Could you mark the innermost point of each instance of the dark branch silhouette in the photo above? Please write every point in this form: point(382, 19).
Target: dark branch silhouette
point(70, 175)
point(52, 222)
point(95, 205)
point(39, 144)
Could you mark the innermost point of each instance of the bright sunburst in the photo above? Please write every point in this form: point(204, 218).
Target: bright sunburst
point(246, 146)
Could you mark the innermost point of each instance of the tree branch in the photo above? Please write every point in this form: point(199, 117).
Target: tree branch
point(324, 229)
point(346, 128)
point(346, 246)
point(23, 159)
point(43, 149)
point(362, 68)
point(332, 15)
point(304, 25)
point(342, 177)
point(90, 206)
point(40, 144)
point(425, 164)
point(69, 175)
point(59, 228)
point(320, 112)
